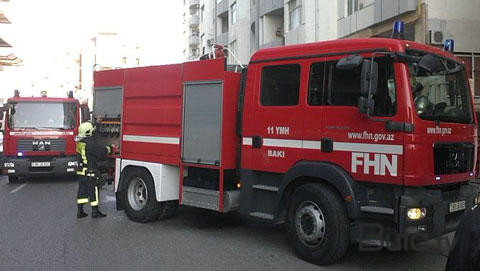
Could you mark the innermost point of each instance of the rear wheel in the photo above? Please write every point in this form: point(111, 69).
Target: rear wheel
point(318, 226)
point(139, 198)
point(12, 179)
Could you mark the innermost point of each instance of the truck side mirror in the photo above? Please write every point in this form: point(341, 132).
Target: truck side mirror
point(85, 113)
point(369, 78)
point(368, 86)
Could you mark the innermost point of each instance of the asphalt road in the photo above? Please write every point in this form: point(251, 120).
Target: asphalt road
point(39, 231)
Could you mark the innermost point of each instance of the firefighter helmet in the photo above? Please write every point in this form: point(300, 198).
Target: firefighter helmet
point(86, 129)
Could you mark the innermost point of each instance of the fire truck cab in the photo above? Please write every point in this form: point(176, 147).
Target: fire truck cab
point(38, 136)
point(324, 137)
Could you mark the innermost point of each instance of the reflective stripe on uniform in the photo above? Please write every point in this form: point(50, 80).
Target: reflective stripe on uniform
point(82, 172)
point(95, 203)
point(81, 149)
point(82, 201)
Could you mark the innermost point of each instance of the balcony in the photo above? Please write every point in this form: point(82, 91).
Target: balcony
point(193, 4)
point(194, 21)
point(193, 41)
point(222, 8)
point(269, 6)
point(274, 43)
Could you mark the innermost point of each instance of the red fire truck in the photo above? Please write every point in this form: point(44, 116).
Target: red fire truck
point(38, 136)
point(323, 137)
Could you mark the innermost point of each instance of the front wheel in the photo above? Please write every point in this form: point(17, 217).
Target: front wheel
point(140, 201)
point(318, 226)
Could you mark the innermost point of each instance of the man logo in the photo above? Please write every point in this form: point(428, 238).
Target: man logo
point(40, 145)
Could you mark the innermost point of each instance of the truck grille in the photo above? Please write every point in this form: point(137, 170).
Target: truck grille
point(35, 145)
point(453, 158)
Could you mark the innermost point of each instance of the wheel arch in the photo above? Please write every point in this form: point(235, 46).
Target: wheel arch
point(326, 173)
point(125, 170)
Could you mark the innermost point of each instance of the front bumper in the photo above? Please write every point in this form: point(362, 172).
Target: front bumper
point(439, 220)
point(394, 228)
point(22, 166)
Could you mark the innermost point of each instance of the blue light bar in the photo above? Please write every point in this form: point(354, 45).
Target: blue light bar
point(449, 45)
point(398, 30)
point(70, 94)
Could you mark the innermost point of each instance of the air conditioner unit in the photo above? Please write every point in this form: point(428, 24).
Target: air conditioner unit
point(436, 31)
point(210, 42)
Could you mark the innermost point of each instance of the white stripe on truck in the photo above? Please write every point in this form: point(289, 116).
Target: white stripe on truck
point(152, 139)
point(337, 146)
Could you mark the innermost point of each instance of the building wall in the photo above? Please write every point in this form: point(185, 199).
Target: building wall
point(461, 22)
point(239, 33)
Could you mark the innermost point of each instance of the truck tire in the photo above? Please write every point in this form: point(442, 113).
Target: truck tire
point(318, 226)
point(139, 198)
point(12, 179)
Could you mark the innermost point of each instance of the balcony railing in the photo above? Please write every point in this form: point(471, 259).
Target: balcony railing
point(194, 21)
point(193, 4)
point(193, 41)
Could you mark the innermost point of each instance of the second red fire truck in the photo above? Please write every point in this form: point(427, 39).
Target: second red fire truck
point(324, 137)
point(38, 135)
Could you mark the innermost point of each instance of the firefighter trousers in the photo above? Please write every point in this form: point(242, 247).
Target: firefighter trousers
point(87, 191)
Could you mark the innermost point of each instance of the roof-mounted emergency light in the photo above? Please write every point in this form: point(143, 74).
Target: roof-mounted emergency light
point(398, 30)
point(449, 45)
point(70, 94)
point(16, 93)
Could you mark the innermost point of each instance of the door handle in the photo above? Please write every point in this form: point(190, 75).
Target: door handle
point(327, 145)
point(257, 141)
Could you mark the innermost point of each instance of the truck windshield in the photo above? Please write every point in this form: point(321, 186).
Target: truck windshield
point(441, 93)
point(43, 115)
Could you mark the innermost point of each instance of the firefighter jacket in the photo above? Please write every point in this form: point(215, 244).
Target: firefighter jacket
point(90, 152)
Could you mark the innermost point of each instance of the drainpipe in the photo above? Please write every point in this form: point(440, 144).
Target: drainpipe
point(215, 22)
point(473, 72)
point(316, 21)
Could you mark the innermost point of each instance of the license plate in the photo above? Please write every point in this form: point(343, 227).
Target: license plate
point(40, 164)
point(457, 206)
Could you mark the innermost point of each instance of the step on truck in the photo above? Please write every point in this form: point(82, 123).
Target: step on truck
point(364, 141)
point(39, 135)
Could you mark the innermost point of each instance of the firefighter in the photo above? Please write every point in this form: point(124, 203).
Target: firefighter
point(465, 255)
point(89, 153)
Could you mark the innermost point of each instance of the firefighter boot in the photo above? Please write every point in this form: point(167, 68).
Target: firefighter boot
point(96, 213)
point(81, 213)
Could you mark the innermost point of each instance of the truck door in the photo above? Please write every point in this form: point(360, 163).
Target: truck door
point(277, 123)
point(362, 145)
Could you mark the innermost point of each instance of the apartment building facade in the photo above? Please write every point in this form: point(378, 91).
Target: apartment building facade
point(248, 25)
point(426, 21)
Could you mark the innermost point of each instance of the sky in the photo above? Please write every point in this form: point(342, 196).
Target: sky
point(42, 31)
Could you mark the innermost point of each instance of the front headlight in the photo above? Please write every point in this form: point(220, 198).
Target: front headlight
point(476, 200)
point(8, 164)
point(416, 213)
point(72, 164)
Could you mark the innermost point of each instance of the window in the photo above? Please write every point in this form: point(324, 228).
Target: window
point(202, 13)
point(233, 8)
point(280, 85)
point(295, 13)
point(342, 87)
point(315, 87)
point(352, 6)
point(233, 47)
